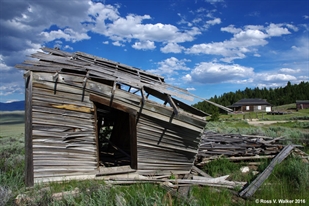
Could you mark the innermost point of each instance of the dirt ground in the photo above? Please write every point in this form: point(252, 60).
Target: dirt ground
point(256, 122)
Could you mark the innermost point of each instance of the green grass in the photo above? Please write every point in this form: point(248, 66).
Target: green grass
point(96, 192)
point(12, 124)
point(220, 167)
point(214, 196)
point(285, 107)
point(295, 132)
point(293, 124)
point(288, 181)
point(12, 158)
point(15, 117)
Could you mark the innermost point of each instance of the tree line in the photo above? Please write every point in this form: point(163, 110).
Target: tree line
point(275, 96)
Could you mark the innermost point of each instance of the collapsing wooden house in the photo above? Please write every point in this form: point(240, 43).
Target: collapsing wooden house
point(89, 116)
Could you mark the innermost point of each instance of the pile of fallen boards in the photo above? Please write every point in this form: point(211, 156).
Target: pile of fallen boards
point(236, 147)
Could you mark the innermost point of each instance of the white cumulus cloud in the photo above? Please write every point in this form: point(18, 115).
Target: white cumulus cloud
point(172, 48)
point(144, 45)
point(209, 72)
point(289, 70)
point(171, 66)
point(245, 40)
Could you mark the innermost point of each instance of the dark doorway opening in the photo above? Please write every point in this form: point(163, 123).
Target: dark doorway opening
point(116, 134)
point(113, 137)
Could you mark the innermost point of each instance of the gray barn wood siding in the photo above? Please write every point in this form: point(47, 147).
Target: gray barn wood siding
point(62, 127)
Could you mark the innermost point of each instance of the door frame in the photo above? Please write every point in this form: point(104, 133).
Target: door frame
point(132, 124)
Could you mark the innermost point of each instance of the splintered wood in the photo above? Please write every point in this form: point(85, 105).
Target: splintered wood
point(73, 98)
point(236, 147)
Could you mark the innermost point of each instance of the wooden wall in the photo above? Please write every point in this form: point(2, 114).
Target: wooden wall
point(164, 148)
point(64, 129)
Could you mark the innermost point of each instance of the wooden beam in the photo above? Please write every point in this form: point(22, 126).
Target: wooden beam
point(190, 109)
point(106, 102)
point(84, 85)
point(173, 105)
point(142, 105)
point(176, 102)
point(251, 189)
point(29, 176)
point(133, 141)
point(97, 123)
point(164, 131)
point(113, 93)
point(201, 172)
point(55, 76)
point(26, 74)
point(55, 79)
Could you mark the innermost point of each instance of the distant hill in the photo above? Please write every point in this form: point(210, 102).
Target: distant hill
point(13, 106)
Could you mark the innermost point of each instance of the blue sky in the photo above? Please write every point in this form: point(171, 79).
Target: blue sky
point(208, 47)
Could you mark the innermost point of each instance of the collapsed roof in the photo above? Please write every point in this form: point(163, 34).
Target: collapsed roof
point(100, 68)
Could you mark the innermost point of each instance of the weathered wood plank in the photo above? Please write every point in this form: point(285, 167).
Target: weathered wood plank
point(155, 141)
point(165, 146)
point(56, 111)
point(60, 97)
point(143, 155)
point(115, 105)
point(37, 68)
point(161, 172)
point(64, 163)
point(169, 134)
point(56, 117)
point(250, 190)
point(46, 150)
point(171, 159)
point(64, 178)
point(29, 176)
point(83, 56)
point(201, 172)
point(58, 172)
point(133, 141)
point(115, 170)
point(150, 123)
point(63, 157)
point(62, 154)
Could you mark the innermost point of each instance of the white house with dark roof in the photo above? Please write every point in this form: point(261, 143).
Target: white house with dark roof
point(251, 105)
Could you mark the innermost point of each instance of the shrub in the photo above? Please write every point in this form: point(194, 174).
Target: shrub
point(215, 115)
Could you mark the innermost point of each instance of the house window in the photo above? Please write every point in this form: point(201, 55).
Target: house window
point(247, 107)
point(259, 107)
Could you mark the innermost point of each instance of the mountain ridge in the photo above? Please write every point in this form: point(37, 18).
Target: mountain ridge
point(12, 106)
